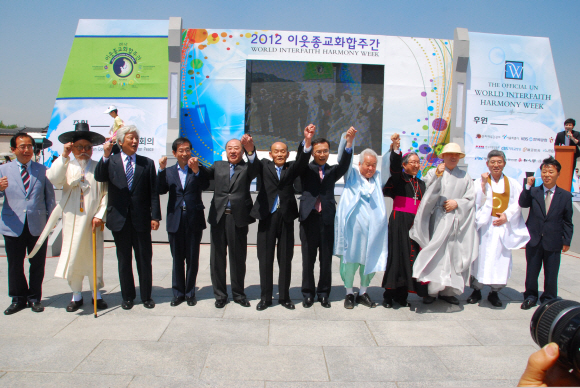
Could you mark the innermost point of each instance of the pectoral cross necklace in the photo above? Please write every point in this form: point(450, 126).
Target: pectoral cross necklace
point(415, 190)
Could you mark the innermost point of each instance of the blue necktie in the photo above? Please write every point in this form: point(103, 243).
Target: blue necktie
point(129, 173)
point(232, 169)
point(277, 200)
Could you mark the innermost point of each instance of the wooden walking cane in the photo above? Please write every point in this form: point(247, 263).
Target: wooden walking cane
point(95, 271)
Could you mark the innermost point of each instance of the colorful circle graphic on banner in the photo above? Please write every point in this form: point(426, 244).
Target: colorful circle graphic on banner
point(123, 67)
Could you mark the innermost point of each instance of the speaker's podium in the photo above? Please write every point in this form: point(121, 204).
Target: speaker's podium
point(565, 155)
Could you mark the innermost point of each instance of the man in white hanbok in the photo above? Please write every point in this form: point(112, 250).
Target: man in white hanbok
point(445, 230)
point(500, 226)
point(360, 227)
point(83, 206)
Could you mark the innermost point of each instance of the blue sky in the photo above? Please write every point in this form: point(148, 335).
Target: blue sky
point(36, 36)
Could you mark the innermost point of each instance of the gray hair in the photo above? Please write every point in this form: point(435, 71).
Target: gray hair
point(408, 156)
point(121, 132)
point(493, 153)
point(367, 152)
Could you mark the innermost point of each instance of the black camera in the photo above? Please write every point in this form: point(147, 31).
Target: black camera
point(558, 321)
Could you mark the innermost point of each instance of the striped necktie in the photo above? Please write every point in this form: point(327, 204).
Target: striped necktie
point(129, 172)
point(25, 178)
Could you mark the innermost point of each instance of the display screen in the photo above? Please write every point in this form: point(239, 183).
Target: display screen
point(283, 97)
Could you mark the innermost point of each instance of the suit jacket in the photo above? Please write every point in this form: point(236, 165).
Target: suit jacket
point(283, 187)
point(168, 181)
point(313, 187)
point(555, 229)
point(36, 205)
point(236, 190)
point(142, 201)
point(561, 140)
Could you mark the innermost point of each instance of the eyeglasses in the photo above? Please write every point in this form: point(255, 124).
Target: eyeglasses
point(25, 147)
point(86, 148)
point(322, 152)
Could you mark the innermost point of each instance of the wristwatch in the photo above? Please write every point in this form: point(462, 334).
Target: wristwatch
point(250, 153)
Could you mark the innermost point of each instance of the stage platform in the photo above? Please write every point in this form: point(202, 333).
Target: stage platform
point(201, 346)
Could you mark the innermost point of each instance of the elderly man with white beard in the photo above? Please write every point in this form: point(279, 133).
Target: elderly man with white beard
point(83, 206)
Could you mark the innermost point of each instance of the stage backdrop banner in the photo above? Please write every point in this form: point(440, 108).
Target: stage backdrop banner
point(274, 83)
point(115, 62)
point(513, 103)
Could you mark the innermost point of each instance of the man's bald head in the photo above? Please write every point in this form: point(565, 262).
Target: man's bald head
point(278, 144)
point(234, 140)
point(234, 151)
point(279, 153)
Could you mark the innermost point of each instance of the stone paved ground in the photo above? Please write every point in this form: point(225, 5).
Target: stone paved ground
point(201, 346)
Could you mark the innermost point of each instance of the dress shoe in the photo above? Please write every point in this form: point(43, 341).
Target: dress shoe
point(403, 302)
point(243, 302)
point(493, 298)
point(191, 301)
point(449, 299)
point(287, 303)
point(308, 302)
point(349, 302)
point(324, 302)
point(37, 307)
point(14, 308)
point(220, 303)
point(474, 297)
point(365, 300)
point(127, 305)
point(74, 306)
point(429, 299)
point(176, 301)
point(263, 305)
point(101, 304)
point(388, 303)
point(528, 304)
point(149, 304)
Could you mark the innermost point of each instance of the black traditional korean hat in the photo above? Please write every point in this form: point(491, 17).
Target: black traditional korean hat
point(81, 132)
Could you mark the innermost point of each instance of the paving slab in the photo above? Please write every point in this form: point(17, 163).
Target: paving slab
point(58, 380)
point(217, 331)
point(180, 382)
point(307, 384)
point(420, 333)
point(384, 363)
point(459, 383)
point(276, 363)
point(499, 332)
point(146, 358)
point(27, 323)
point(320, 333)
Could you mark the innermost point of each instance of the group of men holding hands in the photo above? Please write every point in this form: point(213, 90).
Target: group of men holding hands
point(445, 231)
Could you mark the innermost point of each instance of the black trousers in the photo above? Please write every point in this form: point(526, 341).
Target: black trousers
point(227, 238)
point(535, 257)
point(128, 239)
point(16, 248)
point(271, 230)
point(184, 245)
point(316, 238)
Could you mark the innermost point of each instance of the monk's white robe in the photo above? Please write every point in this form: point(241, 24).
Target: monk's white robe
point(448, 241)
point(76, 256)
point(494, 263)
point(360, 224)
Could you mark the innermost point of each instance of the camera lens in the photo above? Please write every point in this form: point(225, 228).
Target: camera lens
point(558, 321)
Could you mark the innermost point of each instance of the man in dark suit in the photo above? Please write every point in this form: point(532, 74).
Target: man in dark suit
point(229, 217)
point(569, 137)
point(550, 226)
point(276, 209)
point(185, 218)
point(28, 201)
point(317, 210)
point(133, 210)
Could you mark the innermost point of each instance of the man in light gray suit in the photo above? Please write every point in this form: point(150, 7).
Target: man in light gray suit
point(28, 201)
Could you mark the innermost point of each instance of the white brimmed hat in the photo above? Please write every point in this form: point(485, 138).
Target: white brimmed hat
point(110, 109)
point(452, 148)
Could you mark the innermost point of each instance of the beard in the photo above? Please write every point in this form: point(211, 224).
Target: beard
point(83, 163)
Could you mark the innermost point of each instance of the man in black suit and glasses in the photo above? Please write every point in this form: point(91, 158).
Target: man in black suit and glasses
point(276, 209)
point(569, 137)
point(185, 218)
point(133, 211)
point(550, 226)
point(317, 210)
point(229, 217)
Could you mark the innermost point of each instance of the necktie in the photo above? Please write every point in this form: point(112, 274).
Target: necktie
point(232, 169)
point(25, 178)
point(277, 200)
point(318, 204)
point(548, 200)
point(129, 172)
